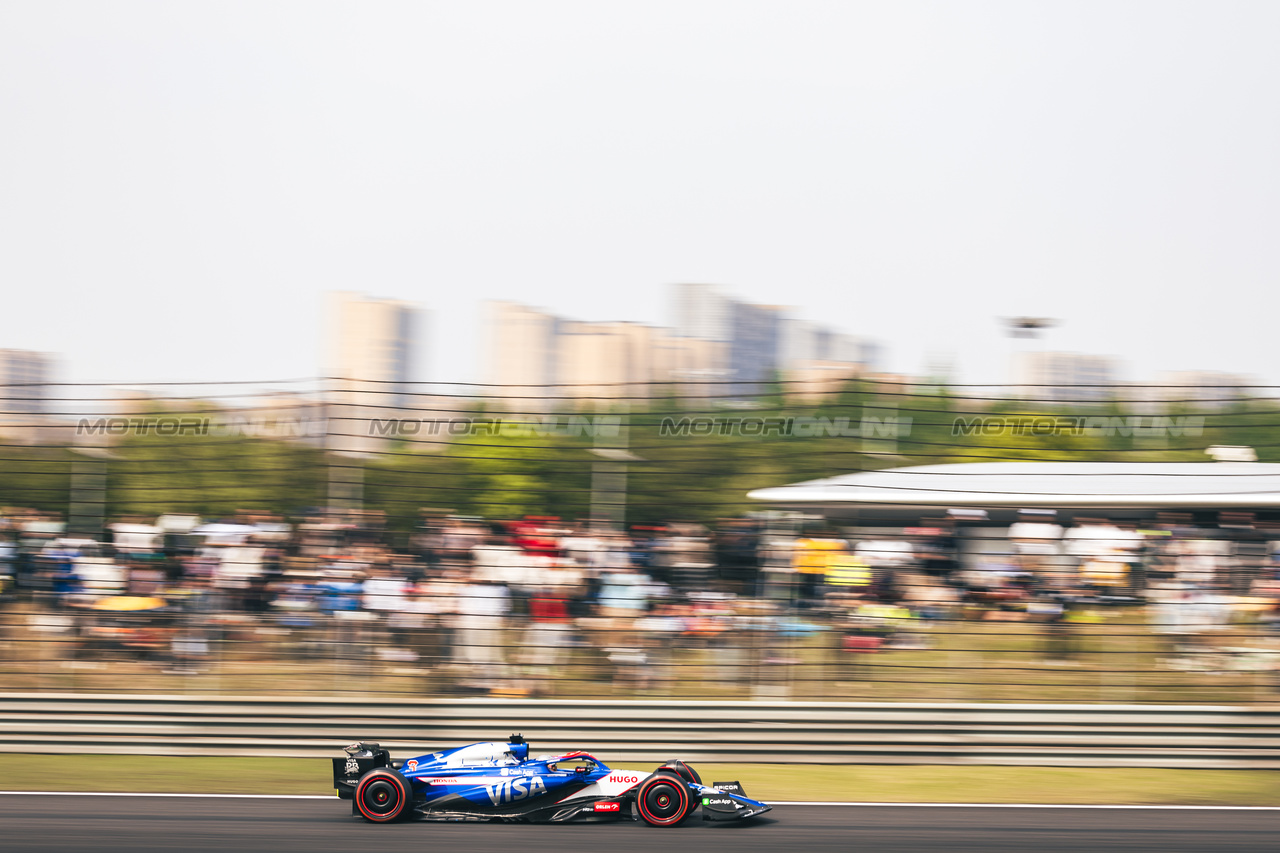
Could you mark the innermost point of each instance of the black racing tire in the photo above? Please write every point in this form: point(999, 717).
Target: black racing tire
point(663, 799)
point(683, 770)
point(383, 795)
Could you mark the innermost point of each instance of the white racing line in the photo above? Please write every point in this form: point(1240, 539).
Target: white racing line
point(200, 796)
point(1027, 806)
point(774, 803)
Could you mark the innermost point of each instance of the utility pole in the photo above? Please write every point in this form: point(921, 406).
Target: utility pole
point(609, 472)
point(86, 512)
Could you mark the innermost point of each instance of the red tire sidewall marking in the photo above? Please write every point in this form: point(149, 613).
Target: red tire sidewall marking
point(684, 802)
point(368, 780)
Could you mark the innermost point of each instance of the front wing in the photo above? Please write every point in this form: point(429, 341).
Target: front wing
point(727, 801)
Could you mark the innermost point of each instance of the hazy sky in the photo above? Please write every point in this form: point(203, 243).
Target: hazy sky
point(180, 182)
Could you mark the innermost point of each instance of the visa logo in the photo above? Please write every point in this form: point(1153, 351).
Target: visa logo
point(513, 790)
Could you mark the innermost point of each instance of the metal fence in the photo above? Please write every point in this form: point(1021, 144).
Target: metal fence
point(446, 544)
point(742, 649)
point(620, 730)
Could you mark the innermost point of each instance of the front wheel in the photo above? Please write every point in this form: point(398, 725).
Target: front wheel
point(383, 795)
point(664, 800)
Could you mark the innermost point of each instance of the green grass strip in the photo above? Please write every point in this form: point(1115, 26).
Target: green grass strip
point(769, 782)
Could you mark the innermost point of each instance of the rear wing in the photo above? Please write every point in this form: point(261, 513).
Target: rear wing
point(361, 758)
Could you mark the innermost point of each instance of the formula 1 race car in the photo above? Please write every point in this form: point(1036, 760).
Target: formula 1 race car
point(499, 781)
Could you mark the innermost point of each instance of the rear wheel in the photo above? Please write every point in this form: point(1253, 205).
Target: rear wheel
point(663, 800)
point(383, 795)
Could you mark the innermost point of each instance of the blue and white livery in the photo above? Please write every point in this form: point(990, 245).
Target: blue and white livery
point(500, 781)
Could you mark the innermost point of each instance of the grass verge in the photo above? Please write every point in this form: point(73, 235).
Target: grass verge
point(776, 782)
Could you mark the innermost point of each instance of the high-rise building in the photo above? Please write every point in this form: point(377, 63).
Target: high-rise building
point(1064, 377)
point(370, 346)
point(520, 355)
point(804, 343)
point(604, 361)
point(751, 335)
point(25, 410)
point(24, 381)
point(688, 367)
point(755, 339)
point(371, 340)
point(717, 346)
point(762, 341)
point(700, 311)
point(801, 341)
point(1202, 389)
point(537, 361)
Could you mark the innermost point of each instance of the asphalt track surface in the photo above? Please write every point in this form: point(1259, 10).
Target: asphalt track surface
point(128, 823)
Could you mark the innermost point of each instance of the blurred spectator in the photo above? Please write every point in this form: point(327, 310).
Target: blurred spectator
point(552, 600)
point(480, 643)
point(555, 585)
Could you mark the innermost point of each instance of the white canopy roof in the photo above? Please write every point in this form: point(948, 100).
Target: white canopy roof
point(1045, 484)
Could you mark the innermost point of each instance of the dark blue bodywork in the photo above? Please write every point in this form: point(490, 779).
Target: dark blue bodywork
point(495, 780)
